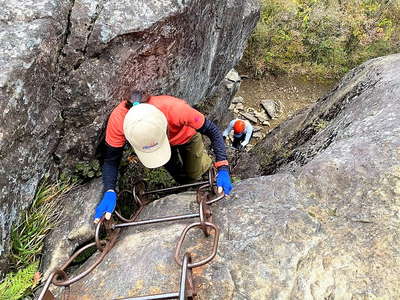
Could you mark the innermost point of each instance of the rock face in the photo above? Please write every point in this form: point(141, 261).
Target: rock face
point(30, 38)
point(216, 108)
point(75, 227)
point(65, 64)
point(324, 226)
point(360, 112)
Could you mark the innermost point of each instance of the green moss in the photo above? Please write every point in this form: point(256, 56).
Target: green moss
point(286, 153)
point(320, 125)
point(311, 214)
point(84, 256)
point(332, 212)
point(19, 284)
point(235, 179)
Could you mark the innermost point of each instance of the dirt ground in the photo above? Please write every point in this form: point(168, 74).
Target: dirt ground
point(292, 94)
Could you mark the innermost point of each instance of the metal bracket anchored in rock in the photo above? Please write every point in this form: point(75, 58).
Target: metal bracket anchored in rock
point(59, 278)
point(187, 290)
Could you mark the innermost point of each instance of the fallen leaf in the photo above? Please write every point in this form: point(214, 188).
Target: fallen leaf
point(37, 277)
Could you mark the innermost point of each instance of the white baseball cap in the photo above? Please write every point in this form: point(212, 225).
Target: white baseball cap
point(145, 127)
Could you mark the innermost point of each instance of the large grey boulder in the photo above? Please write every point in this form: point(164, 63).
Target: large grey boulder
point(280, 239)
point(66, 63)
point(325, 228)
point(359, 112)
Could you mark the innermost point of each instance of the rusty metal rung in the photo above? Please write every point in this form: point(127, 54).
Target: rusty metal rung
point(187, 289)
point(181, 295)
point(154, 297)
point(175, 187)
point(159, 220)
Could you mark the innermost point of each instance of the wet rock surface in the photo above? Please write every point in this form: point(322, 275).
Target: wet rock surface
point(324, 226)
point(66, 64)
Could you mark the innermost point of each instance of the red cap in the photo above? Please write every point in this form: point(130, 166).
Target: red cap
point(239, 127)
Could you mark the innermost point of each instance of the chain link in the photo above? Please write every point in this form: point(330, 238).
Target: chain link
point(187, 290)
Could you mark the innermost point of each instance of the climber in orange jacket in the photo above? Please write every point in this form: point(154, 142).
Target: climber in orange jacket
point(163, 130)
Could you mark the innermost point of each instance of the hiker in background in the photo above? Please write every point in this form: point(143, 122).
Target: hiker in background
point(163, 131)
point(242, 133)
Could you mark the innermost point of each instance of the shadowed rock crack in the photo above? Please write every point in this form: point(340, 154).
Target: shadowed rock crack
point(99, 8)
point(60, 53)
point(59, 68)
point(93, 19)
point(67, 31)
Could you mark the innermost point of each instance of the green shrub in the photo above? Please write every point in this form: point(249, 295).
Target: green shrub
point(132, 171)
point(322, 39)
point(158, 178)
point(83, 171)
point(16, 285)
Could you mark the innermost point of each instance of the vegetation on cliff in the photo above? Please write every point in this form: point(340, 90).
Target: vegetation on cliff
point(27, 240)
point(321, 39)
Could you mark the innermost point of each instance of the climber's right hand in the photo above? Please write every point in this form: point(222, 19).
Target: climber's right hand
point(106, 206)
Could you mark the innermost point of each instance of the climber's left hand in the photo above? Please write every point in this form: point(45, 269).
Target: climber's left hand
point(224, 180)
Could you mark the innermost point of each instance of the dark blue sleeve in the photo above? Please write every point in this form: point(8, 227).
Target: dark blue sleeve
point(112, 158)
point(217, 142)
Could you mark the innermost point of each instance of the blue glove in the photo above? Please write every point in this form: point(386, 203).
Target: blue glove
point(224, 180)
point(106, 206)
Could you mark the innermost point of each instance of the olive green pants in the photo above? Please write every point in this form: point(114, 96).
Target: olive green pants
point(189, 161)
